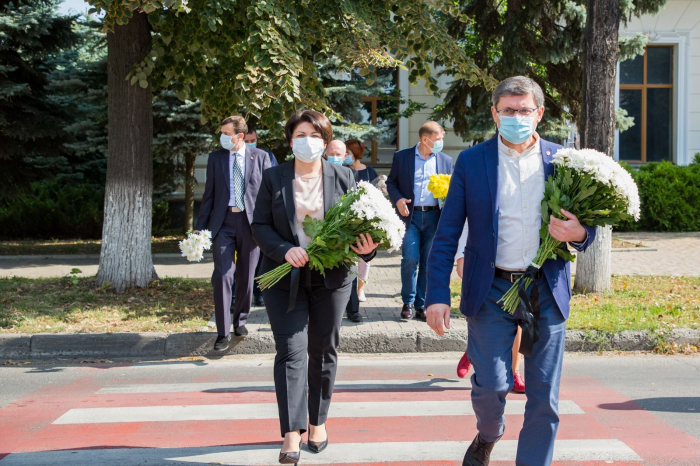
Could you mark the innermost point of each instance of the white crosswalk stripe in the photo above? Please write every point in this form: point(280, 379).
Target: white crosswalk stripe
point(269, 411)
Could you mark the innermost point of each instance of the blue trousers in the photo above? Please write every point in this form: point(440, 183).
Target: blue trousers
point(414, 256)
point(491, 334)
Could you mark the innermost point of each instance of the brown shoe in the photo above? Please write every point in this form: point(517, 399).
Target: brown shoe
point(478, 453)
point(420, 315)
point(407, 311)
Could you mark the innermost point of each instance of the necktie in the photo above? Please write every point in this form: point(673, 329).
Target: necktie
point(237, 184)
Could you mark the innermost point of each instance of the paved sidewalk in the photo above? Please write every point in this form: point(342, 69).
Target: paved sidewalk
point(676, 254)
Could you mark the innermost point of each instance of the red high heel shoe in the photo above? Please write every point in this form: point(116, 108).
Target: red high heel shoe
point(463, 366)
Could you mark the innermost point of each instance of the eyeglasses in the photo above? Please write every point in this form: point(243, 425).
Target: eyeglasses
point(511, 112)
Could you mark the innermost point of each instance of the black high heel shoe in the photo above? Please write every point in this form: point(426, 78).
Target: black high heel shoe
point(317, 447)
point(291, 457)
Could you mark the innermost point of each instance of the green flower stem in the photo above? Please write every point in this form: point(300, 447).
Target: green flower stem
point(511, 298)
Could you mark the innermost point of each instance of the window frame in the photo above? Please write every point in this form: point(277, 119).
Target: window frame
point(644, 87)
point(374, 101)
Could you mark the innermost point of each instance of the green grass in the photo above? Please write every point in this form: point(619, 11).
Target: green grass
point(634, 303)
point(56, 305)
point(163, 244)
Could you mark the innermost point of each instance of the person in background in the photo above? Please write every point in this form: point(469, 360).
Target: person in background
point(356, 149)
point(407, 184)
point(305, 308)
point(234, 174)
point(251, 140)
point(335, 153)
point(464, 364)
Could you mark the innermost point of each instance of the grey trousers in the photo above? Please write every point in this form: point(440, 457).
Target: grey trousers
point(234, 237)
point(313, 328)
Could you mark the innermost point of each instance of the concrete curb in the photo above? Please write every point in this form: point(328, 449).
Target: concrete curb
point(163, 345)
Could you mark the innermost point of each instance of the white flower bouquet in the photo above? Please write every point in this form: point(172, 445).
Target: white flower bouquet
point(590, 185)
point(195, 244)
point(363, 209)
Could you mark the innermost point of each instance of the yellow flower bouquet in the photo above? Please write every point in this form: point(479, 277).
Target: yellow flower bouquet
point(438, 186)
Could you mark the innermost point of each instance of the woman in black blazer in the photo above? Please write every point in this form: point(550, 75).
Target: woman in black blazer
point(305, 308)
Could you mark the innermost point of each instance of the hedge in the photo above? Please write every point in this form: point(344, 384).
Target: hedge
point(670, 197)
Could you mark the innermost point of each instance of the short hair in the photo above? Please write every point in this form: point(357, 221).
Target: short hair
point(318, 120)
point(357, 148)
point(430, 127)
point(251, 131)
point(518, 85)
point(239, 124)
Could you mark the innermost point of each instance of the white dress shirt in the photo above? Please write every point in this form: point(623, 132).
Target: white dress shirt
point(521, 189)
point(239, 158)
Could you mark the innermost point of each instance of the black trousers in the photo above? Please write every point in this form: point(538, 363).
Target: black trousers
point(234, 237)
point(313, 328)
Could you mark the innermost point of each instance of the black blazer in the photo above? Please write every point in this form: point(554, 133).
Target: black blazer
point(275, 219)
point(217, 191)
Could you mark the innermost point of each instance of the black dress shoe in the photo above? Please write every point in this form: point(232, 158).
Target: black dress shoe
point(221, 343)
point(420, 314)
point(240, 331)
point(258, 300)
point(291, 457)
point(407, 311)
point(478, 453)
point(355, 317)
point(317, 447)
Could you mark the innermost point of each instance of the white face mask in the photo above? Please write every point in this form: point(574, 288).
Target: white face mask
point(308, 149)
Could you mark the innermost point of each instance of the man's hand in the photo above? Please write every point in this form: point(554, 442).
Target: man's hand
point(402, 205)
point(566, 230)
point(297, 257)
point(460, 267)
point(365, 244)
point(437, 315)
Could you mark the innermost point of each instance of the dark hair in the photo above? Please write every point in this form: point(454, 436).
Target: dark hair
point(239, 124)
point(428, 128)
point(251, 131)
point(357, 148)
point(318, 120)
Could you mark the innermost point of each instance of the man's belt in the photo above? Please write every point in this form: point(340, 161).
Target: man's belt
point(424, 208)
point(234, 209)
point(512, 276)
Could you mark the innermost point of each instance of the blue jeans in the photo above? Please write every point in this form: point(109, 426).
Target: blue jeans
point(414, 256)
point(491, 332)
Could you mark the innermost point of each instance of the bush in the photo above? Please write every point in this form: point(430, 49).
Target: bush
point(53, 209)
point(670, 197)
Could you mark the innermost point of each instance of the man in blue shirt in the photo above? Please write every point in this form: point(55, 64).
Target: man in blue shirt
point(407, 185)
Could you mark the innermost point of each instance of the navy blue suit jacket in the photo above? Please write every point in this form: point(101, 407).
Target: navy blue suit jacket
point(474, 196)
point(217, 191)
point(402, 176)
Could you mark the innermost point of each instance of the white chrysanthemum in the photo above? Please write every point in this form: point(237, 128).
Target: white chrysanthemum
point(604, 170)
point(195, 244)
point(373, 206)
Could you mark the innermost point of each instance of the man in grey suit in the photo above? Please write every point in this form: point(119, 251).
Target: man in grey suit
point(233, 180)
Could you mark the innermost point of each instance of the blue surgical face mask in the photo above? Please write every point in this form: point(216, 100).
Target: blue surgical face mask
point(335, 159)
point(437, 146)
point(226, 142)
point(252, 145)
point(308, 149)
point(349, 159)
point(515, 129)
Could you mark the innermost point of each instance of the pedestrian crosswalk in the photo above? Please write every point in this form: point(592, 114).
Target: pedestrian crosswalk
point(411, 420)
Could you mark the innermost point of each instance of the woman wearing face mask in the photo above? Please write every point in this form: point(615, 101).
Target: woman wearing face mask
point(305, 309)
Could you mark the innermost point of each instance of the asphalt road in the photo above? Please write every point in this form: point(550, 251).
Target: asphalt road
point(615, 409)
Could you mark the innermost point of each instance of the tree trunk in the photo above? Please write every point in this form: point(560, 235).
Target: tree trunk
point(190, 160)
point(125, 258)
point(600, 44)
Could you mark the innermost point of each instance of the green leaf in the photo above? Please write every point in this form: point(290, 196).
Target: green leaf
point(312, 227)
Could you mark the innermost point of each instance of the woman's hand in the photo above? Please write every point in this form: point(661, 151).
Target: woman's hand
point(297, 257)
point(365, 245)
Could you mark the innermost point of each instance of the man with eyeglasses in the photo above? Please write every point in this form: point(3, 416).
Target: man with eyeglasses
point(497, 187)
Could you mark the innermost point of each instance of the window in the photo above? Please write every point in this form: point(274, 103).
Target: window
point(646, 93)
point(379, 112)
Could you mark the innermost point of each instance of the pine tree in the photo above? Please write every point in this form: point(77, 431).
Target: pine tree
point(31, 127)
